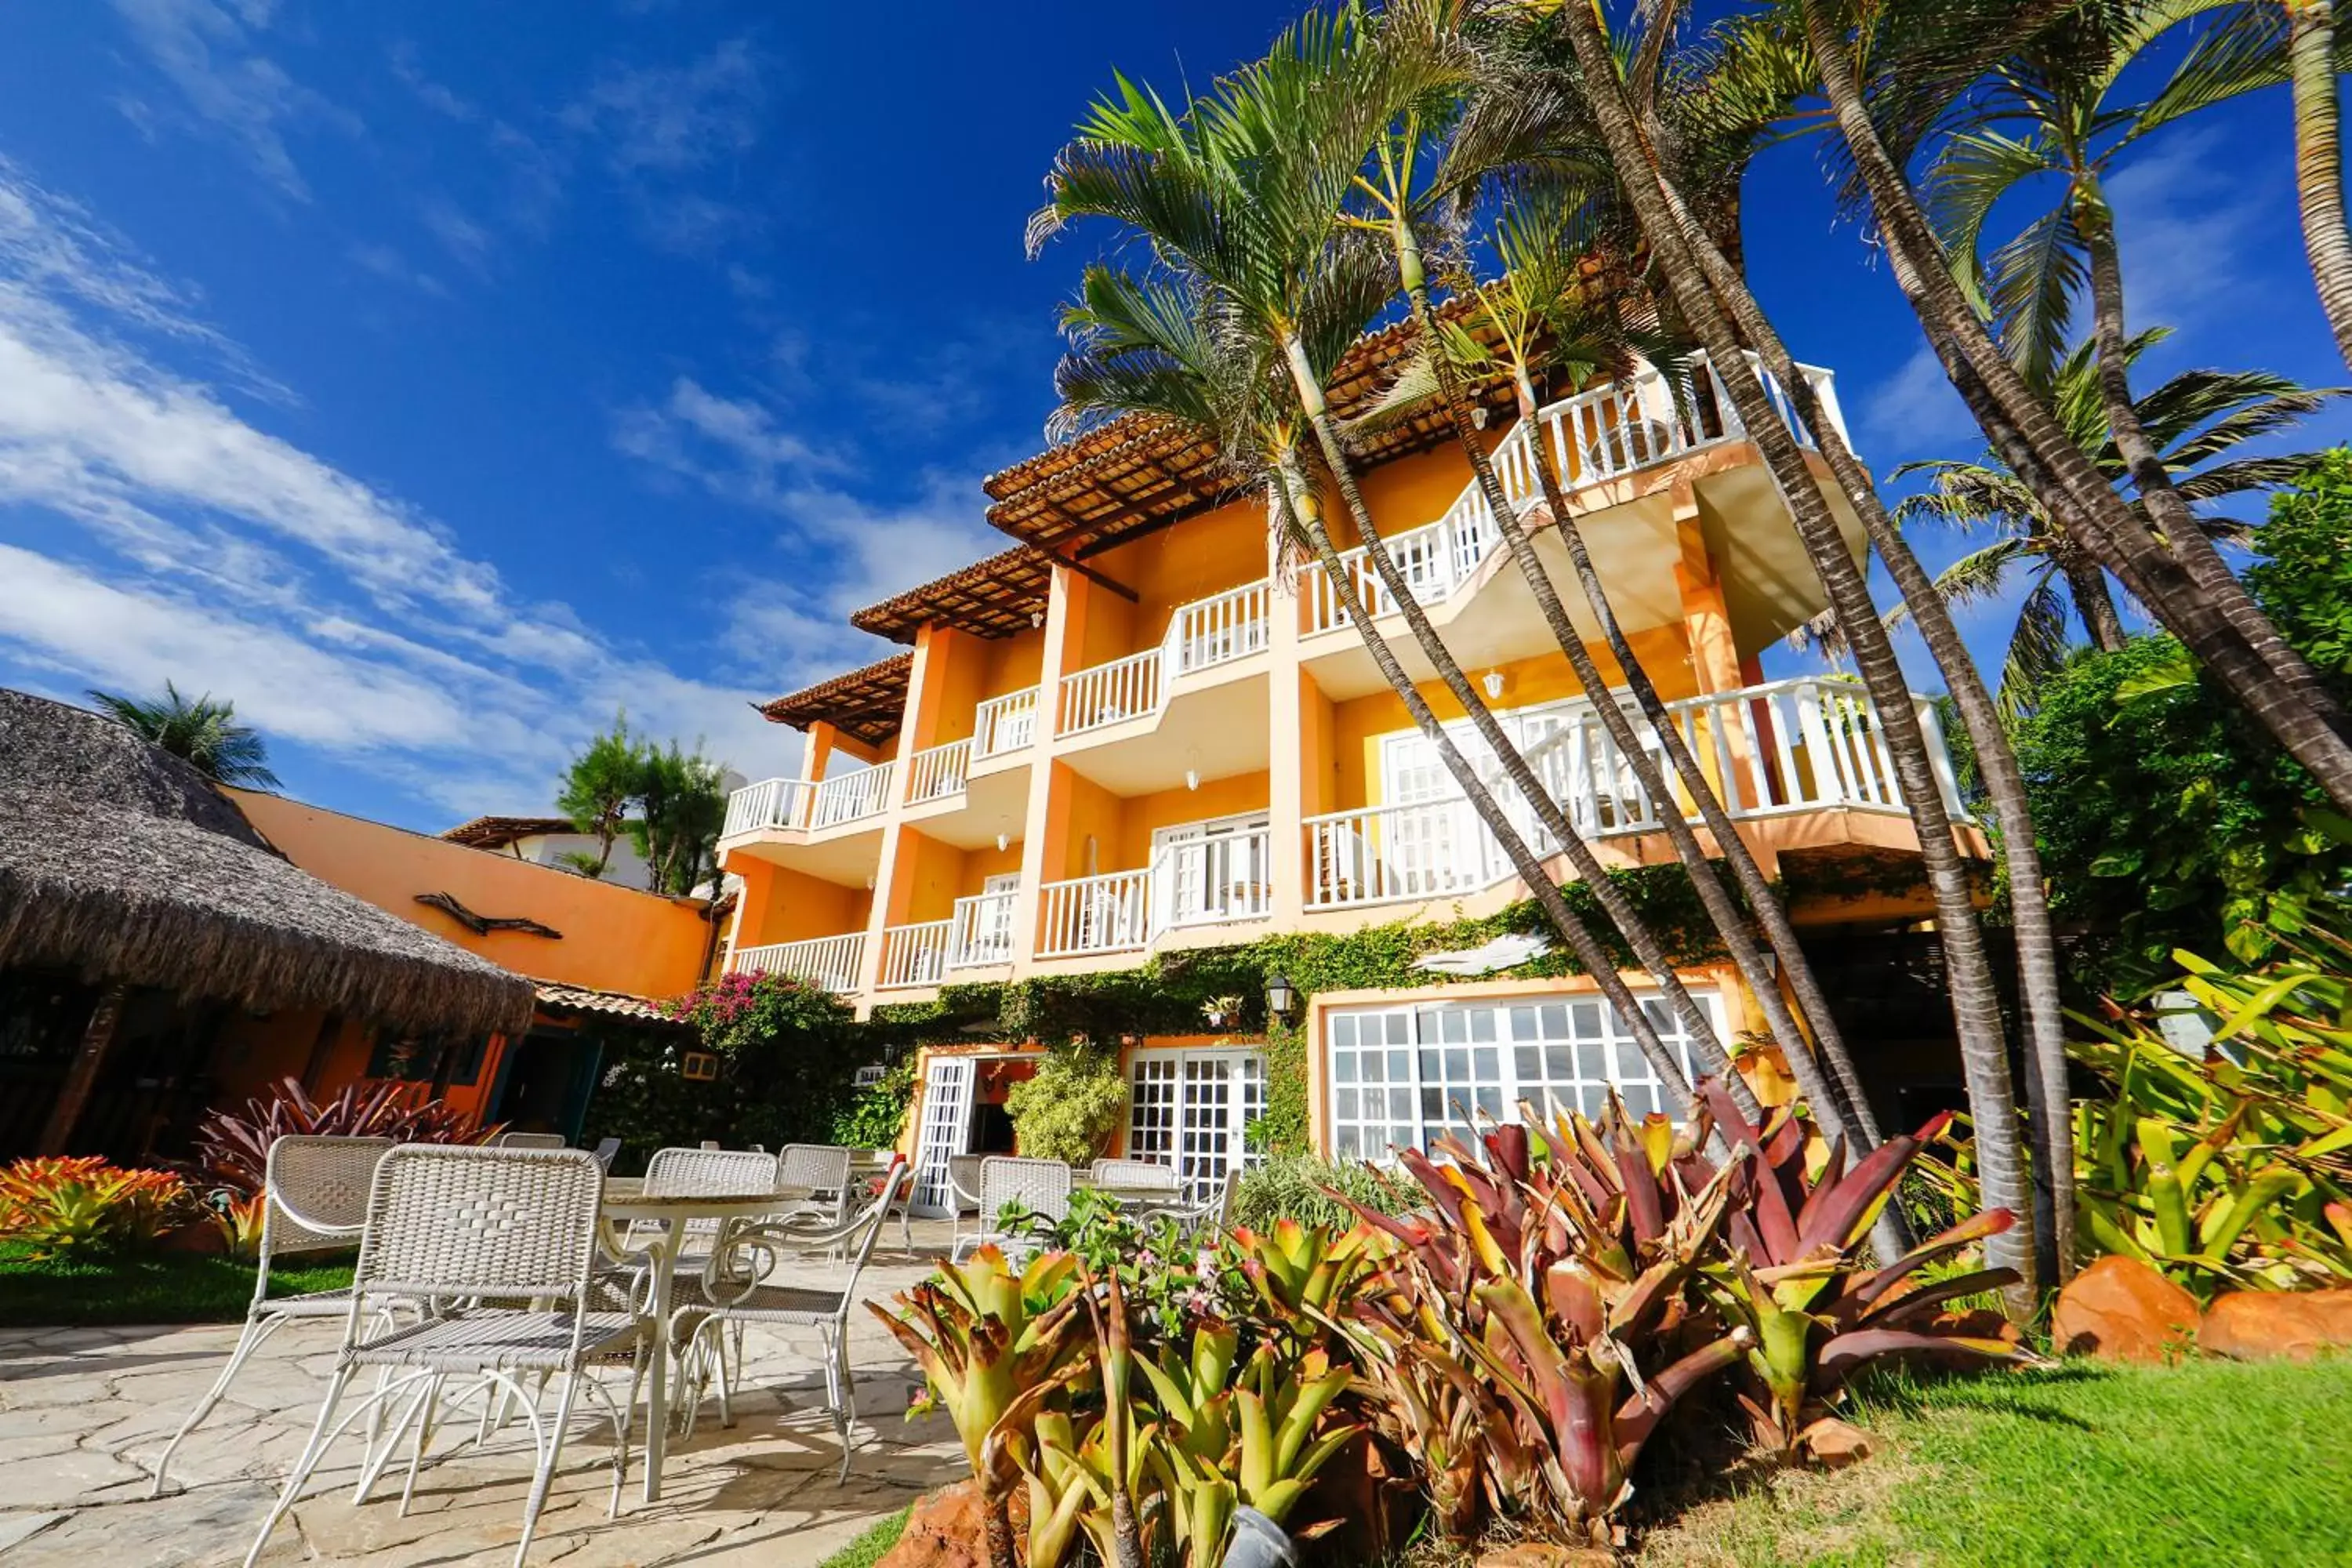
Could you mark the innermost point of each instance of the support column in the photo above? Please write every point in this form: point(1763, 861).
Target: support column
point(1044, 824)
point(73, 1095)
point(1298, 745)
point(1719, 738)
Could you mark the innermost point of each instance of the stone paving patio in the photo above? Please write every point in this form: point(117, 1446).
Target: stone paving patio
point(85, 1412)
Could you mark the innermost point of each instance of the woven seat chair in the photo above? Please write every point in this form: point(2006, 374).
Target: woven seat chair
point(963, 1195)
point(607, 1148)
point(680, 1173)
point(464, 1224)
point(531, 1140)
point(1212, 1215)
point(314, 1199)
point(1041, 1187)
point(1136, 1177)
point(824, 1169)
point(739, 1291)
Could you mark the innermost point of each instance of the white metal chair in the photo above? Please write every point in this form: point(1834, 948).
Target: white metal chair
point(1040, 1187)
point(531, 1140)
point(963, 1195)
point(736, 1286)
point(606, 1148)
point(314, 1199)
point(458, 1223)
point(704, 1173)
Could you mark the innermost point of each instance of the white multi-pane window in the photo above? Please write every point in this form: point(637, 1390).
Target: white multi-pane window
point(1192, 1110)
point(1400, 1077)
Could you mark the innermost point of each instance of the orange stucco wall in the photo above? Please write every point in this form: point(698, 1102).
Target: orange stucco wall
point(1168, 808)
point(614, 938)
point(783, 905)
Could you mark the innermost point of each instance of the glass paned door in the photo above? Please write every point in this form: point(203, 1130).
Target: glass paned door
point(1192, 1110)
point(1212, 870)
point(946, 1129)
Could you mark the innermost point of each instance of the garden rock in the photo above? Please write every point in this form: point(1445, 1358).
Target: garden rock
point(2119, 1308)
point(947, 1529)
point(2257, 1325)
point(1836, 1444)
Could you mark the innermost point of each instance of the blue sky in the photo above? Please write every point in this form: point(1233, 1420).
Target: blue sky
point(435, 379)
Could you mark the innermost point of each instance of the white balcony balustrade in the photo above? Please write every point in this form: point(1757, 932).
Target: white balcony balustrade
point(938, 772)
point(1005, 724)
point(1594, 437)
point(1201, 635)
point(852, 796)
point(915, 955)
point(830, 962)
point(1109, 913)
point(772, 803)
point(983, 933)
point(1200, 881)
point(1784, 747)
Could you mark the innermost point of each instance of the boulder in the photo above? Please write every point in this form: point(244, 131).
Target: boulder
point(2119, 1308)
point(2255, 1325)
point(1836, 1444)
point(947, 1529)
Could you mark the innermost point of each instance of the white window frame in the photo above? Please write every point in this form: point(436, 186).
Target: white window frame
point(1430, 1086)
point(1162, 1107)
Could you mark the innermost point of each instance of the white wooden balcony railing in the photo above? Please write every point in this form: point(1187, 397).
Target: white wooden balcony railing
point(1787, 746)
point(1191, 883)
point(915, 955)
point(801, 803)
point(771, 803)
point(1596, 435)
point(938, 771)
point(1004, 724)
point(983, 930)
point(1201, 635)
point(829, 961)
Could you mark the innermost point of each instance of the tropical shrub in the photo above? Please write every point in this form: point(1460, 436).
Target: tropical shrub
point(2233, 1171)
point(875, 1117)
point(82, 1208)
point(1070, 1107)
point(238, 1217)
point(787, 1050)
point(233, 1146)
point(1316, 1192)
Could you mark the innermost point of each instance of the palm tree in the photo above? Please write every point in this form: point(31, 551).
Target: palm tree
point(1542, 298)
point(2312, 65)
point(1694, 272)
point(2052, 117)
point(202, 733)
point(1238, 207)
point(2192, 418)
point(2228, 636)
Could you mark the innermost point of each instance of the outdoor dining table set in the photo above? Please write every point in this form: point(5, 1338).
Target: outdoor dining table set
point(489, 1275)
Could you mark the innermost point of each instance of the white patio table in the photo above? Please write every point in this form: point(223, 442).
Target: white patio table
point(626, 1204)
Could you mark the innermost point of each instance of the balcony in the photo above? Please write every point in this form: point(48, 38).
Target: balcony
point(831, 962)
point(810, 805)
point(1201, 635)
point(1776, 750)
point(979, 934)
point(1607, 434)
point(1004, 724)
point(1194, 882)
point(938, 772)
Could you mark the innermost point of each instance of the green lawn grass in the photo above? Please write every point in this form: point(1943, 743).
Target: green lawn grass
point(2196, 1466)
point(869, 1548)
point(162, 1288)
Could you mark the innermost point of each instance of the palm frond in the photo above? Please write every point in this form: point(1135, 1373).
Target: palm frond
point(2038, 646)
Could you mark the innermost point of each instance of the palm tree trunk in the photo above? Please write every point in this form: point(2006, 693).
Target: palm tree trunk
point(2319, 160)
point(2087, 587)
point(1843, 1091)
point(2152, 481)
point(1302, 515)
point(2049, 1103)
point(2030, 441)
point(1976, 1005)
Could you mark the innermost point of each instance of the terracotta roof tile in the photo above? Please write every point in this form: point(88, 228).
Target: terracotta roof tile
point(866, 704)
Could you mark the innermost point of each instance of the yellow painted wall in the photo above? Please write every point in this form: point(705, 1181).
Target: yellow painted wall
point(1168, 808)
point(783, 905)
point(1198, 558)
point(1093, 813)
point(939, 873)
point(614, 938)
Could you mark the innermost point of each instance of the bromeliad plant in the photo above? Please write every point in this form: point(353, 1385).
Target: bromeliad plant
point(80, 1208)
point(233, 1146)
point(1799, 1281)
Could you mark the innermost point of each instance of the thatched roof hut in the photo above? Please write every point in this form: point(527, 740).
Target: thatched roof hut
point(124, 863)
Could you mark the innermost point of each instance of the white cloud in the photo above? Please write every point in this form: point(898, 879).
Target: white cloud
point(669, 119)
point(2190, 214)
point(205, 49)
point(216, 555)
point(1915, 411)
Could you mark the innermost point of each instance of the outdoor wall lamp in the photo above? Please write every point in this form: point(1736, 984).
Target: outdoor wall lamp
point(1280, 997)
point(1003, 842)
point(1493, 682)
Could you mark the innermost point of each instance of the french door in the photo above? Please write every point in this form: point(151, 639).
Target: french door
point(1220, 870)
point(945, 1130)
point(1192, 1110)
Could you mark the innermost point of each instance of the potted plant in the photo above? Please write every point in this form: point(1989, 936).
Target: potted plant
point(1222, 1012)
